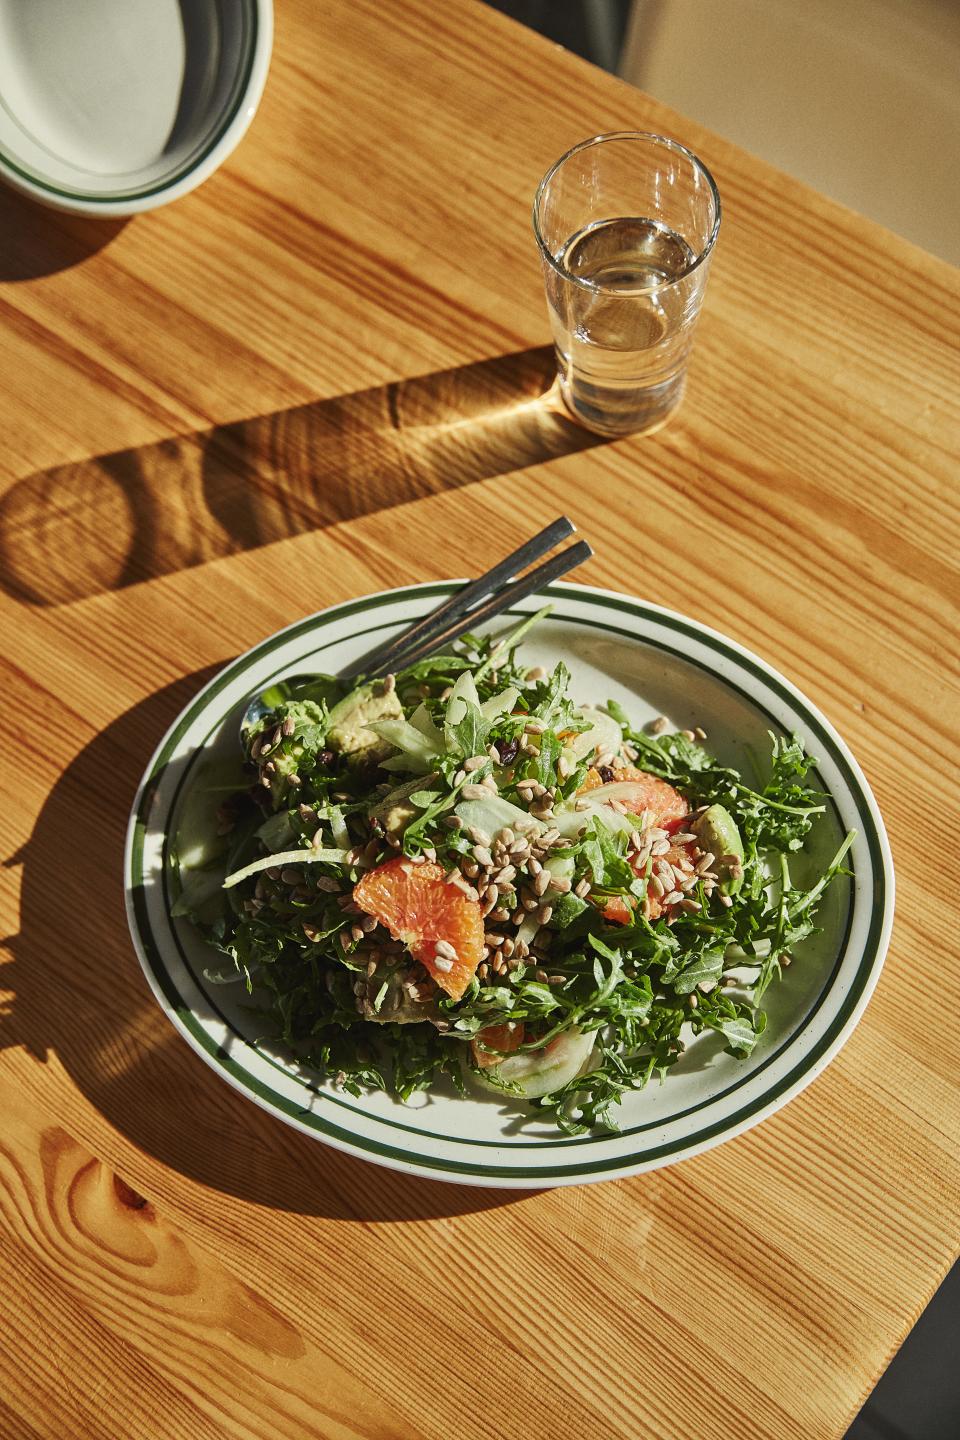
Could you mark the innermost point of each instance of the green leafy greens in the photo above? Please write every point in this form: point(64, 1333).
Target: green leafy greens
point(600, 967)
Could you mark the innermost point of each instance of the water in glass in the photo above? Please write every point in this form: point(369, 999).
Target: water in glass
point(623, 335)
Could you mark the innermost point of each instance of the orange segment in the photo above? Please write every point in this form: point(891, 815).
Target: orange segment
point(666, 805)
point(619, 910)
point(417, 907)
point(492, 1043)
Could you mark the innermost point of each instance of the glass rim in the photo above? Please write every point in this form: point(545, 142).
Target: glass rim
point(667, 143)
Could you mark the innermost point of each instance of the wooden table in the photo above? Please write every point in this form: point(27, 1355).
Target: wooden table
point(298, 385)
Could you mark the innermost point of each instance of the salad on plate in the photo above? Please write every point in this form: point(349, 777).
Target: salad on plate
point(465, 871)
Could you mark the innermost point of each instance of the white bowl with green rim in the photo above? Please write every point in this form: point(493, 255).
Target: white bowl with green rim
point(653, 661)
point(111, 107)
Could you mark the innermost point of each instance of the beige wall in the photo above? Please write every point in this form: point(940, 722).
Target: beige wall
point(859, 97)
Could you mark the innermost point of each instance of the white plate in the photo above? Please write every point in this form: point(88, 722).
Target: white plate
point(654, 662)
point(109, 107)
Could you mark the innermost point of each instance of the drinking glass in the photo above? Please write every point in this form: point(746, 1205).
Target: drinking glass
point(626, 224)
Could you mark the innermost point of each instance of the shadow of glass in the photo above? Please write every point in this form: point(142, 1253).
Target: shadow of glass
point(77, 992)
point(36, 241)
point(80, 529)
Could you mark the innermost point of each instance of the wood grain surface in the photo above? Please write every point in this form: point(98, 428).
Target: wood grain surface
point(321, 374)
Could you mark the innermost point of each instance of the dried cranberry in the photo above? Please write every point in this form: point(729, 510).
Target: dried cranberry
point(606, 774)
point(507, 750)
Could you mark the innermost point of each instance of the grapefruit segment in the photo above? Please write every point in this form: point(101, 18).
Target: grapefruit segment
point(665, 804)
point(619, 909)
point(419, 909)
point(493, 1042)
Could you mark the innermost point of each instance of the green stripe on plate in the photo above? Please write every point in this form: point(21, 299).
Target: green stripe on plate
point(249, 21)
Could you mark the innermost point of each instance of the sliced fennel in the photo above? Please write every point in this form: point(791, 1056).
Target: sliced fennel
point(286, 857)
point(533, 1073)
point(495, 814)
point(500, 704)
point(603, 737)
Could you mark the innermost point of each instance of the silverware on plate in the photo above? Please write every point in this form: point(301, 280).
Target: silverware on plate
point(463, 611)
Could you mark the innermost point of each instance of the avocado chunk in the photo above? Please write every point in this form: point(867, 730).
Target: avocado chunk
point(396, 810)
point(350, 718)
point(716, 831)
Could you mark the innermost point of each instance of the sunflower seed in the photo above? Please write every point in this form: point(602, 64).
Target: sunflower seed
point(482, 854)
point(478, 836)
point(441, 963)
point(544, 914)
point(475, 792)
point(582, 888)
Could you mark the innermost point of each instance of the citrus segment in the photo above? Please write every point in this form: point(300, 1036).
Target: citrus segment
point(494, 1041)
point(418, 908)
point(665, 804)
point(619, 909)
